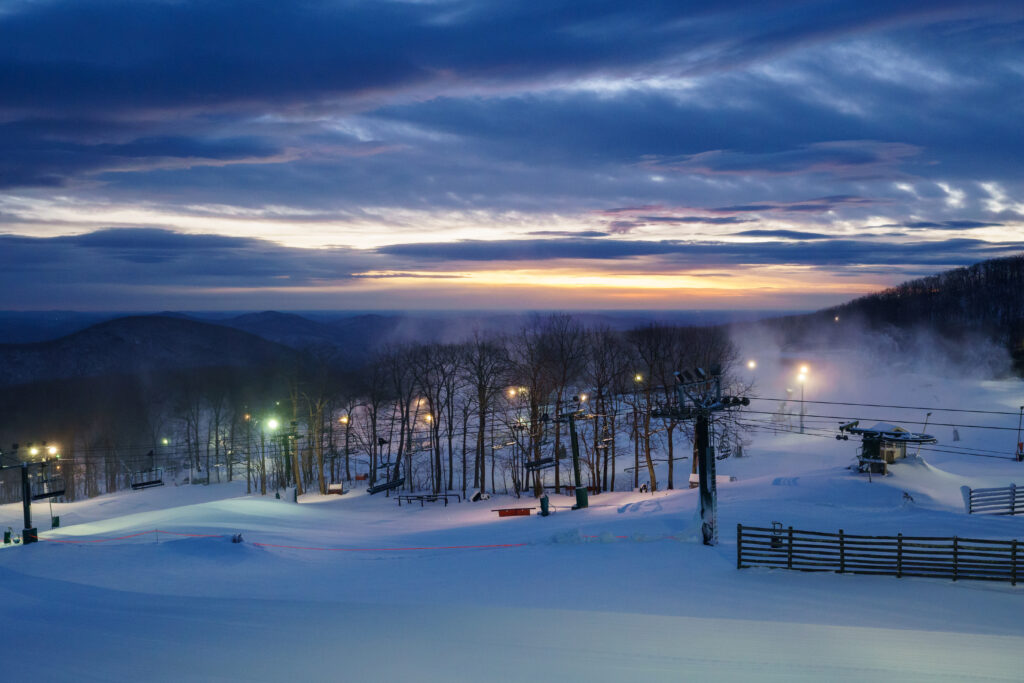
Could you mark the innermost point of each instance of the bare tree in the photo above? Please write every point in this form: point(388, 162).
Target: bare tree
point(486, 366)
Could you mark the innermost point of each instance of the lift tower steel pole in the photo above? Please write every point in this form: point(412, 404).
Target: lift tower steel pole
point(708, 480)
point(704, 394)
point(29, 533)
point(582, 499)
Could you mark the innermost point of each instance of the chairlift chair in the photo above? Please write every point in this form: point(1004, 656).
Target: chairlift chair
point(145, 479)
point(386, 486)
point(542, 464)
point(52, 487)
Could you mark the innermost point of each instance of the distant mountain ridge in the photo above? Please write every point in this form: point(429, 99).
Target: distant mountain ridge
point(137, 345)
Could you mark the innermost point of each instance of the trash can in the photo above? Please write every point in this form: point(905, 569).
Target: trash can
point(544, 512)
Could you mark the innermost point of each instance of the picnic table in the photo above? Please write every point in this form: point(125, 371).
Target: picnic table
point(427, 498)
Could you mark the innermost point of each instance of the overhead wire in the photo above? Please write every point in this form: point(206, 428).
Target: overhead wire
point(884, 405)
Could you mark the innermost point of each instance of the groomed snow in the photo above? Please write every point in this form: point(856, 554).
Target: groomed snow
point(620, 591)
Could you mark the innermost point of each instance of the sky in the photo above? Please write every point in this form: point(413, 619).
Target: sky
point(179, 154)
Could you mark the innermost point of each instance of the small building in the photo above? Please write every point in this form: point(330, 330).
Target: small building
point(882, 444)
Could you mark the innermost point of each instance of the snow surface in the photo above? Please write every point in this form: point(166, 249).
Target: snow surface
point(354, 587)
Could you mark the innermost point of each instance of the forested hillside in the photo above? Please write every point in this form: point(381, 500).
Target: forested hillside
point(984, 301)
point(986, 297)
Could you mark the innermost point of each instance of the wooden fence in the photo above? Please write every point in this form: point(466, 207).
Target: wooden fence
point(998, 501)
point(928, 556)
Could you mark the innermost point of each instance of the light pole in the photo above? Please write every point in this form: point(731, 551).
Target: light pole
point(802, 378)
point(637, 379)
point(346, 420)
point(271, 425)
point(1020, 446)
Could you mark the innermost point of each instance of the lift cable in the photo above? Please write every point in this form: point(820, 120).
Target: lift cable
point(884, 405)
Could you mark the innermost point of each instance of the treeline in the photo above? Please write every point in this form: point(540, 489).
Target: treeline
point(988, 297)
point(461, 416)
point(982, 301)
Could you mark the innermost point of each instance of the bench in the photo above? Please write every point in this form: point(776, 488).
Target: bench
point(512, 512)
point(427, 498)
point(339, 489)
point(362, 477)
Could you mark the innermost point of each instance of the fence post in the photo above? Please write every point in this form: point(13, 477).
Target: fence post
point(739, 546)
point(842, 553)
point(955, 553)
point(968, 496)
point(1013, 499)
point(789, 552)
point(899, 556)
point(1013, 562)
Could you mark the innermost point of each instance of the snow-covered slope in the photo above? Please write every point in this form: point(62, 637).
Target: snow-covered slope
point(357, 588)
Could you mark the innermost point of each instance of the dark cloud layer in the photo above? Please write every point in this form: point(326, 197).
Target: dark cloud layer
point(650, 117)
point(814, 249)
point(123, 257)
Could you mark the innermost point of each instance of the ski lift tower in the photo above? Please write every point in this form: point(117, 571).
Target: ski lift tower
point(46, 487)
point(700, 395)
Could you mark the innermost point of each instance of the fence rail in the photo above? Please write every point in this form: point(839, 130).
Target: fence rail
point(997, 501)
point(925, 556)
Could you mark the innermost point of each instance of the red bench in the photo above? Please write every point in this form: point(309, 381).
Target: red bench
point(512, 512)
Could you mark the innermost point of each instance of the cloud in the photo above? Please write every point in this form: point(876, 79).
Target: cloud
point(602, 117)
point(811, 251)
point(566, 233)
point(950, 225)
point(785, 234)
point(844, 158)
point(146, 257)
point(708, 220)
point(623, 226)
